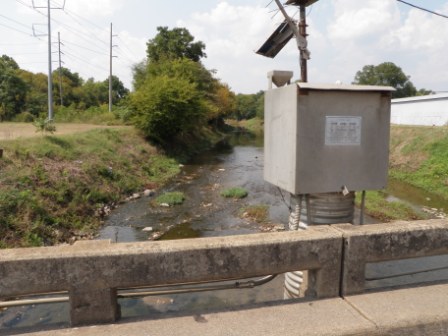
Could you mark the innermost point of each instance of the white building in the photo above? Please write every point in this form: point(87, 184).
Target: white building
point(431, 110)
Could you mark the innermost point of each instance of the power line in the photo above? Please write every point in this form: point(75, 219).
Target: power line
point(18, 44)
point(17, 30)
point(82, 47)
point(28, 53)
point(423, 9)
point(73, 30)
point(129, 52)
point(85, 61)
point(12, 20)
point(70, 13)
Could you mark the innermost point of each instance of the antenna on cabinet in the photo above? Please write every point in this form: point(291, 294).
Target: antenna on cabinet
point(290, 28)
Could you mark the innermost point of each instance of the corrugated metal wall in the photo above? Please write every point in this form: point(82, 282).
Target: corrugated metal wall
point(429, 110)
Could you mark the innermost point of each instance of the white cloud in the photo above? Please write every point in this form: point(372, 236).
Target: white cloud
point(95, 8)
point(356, 20)
point(232, 34)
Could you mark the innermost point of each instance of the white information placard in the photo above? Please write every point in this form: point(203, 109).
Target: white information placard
point(343, 131)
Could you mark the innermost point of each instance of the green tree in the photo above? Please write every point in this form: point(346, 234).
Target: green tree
point(36, 100)
point(424, 92)
point(71, 87)
point(175, 95)
point(12, 89)
point(387, 74)
point(119, 91)
point(225, 101)
point(174, 44)
point(249, 106)
point(166, 106)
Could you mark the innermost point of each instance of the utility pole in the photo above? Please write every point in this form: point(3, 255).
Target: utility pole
point(110, 67)
point(50, 70)
point(60, 69)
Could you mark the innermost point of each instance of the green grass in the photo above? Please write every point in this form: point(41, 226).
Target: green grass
point(171, 198)
point(419, 156)
point(379, 207)
point(52, 186)
point(235, 192)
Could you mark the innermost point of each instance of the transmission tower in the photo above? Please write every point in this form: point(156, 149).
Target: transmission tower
point(50, 83)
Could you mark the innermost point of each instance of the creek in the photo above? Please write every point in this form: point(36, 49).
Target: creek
point(237, 162)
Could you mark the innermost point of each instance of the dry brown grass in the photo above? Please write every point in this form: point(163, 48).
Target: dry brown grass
point(11, 131)
point(408, 145)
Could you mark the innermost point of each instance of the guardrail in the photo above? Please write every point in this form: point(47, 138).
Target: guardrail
point(92, 271)
point(382, 242)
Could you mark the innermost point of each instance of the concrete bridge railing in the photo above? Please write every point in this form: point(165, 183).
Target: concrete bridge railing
point(91, 272)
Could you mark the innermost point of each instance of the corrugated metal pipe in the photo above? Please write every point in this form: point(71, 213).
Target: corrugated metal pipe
point(315, 209)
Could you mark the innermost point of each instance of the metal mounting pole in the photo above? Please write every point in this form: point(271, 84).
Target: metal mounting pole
point(304, 56)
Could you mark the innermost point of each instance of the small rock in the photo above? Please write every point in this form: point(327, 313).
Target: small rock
point(221, 169)
point(207, 205)
point(156, 236)
point(148, 229)
point(135, 196)
point(278, 227)
point(149, 192)
point(165, 205)
point(181, 165)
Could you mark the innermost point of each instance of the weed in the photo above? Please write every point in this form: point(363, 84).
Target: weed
point(45, 126)
point(236, 192)
point(171, 198)
point(380, 208)
point(256, 213)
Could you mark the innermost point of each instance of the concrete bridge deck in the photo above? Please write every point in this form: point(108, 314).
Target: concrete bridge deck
point(410, 311)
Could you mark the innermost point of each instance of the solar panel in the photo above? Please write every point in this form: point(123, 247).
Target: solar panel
point(305, 3)
point(276, 41)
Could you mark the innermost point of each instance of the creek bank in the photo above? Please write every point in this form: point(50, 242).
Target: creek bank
point(57, 189)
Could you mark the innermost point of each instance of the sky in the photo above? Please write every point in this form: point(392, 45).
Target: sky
point(344, 36)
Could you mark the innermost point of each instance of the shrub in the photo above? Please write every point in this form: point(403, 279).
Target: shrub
point(24, 117)
point(166, 106)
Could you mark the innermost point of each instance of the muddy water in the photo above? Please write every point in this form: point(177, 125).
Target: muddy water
point(237, 163)
point(204, 213)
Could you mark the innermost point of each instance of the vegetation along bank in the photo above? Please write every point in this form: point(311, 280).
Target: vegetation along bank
point(53, 188)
